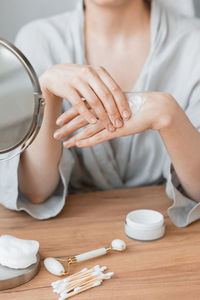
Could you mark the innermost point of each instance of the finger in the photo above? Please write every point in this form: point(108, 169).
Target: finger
point(67, 116)
point(98, 138)
point(104, 94)
point(70, 127)
point(70, 114)
point(95, 103)
point(118, 95)
point(90, 130)
point(80, 106)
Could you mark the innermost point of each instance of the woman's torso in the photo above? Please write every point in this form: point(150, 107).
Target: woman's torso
point(134, 160)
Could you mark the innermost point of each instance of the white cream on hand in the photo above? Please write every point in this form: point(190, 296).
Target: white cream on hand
point(17, 253)
point(135, 100)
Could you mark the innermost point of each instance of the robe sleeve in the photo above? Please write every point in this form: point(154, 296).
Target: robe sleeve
point(12, 198)
point(184, 210)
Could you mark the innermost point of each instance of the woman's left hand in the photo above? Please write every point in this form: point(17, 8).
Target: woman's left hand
point(158, 112)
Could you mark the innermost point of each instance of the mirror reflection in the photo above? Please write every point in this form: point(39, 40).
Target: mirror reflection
point(16, 100)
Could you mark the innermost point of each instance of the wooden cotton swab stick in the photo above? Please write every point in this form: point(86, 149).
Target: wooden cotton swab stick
point(58, 282)
point(61, 284)
point(85, 285)
point(80, 289)
point(57, 285)
point(77, 275)
point(97, 278)
point(81, 281)
point(86, 280)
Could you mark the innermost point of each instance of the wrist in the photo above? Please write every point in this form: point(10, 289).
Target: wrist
point(169, 114)
point(51, 100)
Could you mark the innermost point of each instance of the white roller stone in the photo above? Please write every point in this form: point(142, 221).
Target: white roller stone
point(118, 245)
point(54, 266)
point(17, 253)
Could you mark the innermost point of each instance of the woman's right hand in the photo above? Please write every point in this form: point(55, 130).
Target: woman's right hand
point(103, 95)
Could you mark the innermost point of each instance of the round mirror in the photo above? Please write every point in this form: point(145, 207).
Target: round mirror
point(21, 103)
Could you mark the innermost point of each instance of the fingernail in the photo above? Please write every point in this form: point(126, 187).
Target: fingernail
point(59, 121)
point(126, 114)
point(111, 128)
point(118, 123)
point(93, 120)
point(56, 135)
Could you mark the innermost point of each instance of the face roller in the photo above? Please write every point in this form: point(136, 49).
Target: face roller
point(54, 266)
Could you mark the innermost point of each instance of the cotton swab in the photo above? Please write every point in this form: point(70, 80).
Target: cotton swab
point(72, 284)
point(79, 290)
point(81, 281)
point(83, 273)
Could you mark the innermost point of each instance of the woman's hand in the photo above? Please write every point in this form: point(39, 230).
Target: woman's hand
point(158, 111)
point(103, 95)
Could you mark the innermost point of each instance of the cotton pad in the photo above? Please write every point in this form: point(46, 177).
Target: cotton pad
point(17, 253)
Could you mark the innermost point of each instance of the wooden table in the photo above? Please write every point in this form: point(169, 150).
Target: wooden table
point(165, 269)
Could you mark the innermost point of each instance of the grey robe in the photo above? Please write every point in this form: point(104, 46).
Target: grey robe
point(172, 66)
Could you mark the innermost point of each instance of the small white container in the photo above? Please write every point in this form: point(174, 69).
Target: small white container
point(145, 225)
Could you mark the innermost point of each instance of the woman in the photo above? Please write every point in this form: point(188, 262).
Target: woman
point(141, 47)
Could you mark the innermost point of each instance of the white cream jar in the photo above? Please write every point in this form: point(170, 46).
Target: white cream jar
point(145, 225)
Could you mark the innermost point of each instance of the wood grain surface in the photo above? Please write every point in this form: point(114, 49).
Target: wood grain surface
point(165, 269)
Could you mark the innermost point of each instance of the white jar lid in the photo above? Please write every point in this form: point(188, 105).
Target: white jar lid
point(145, 224)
